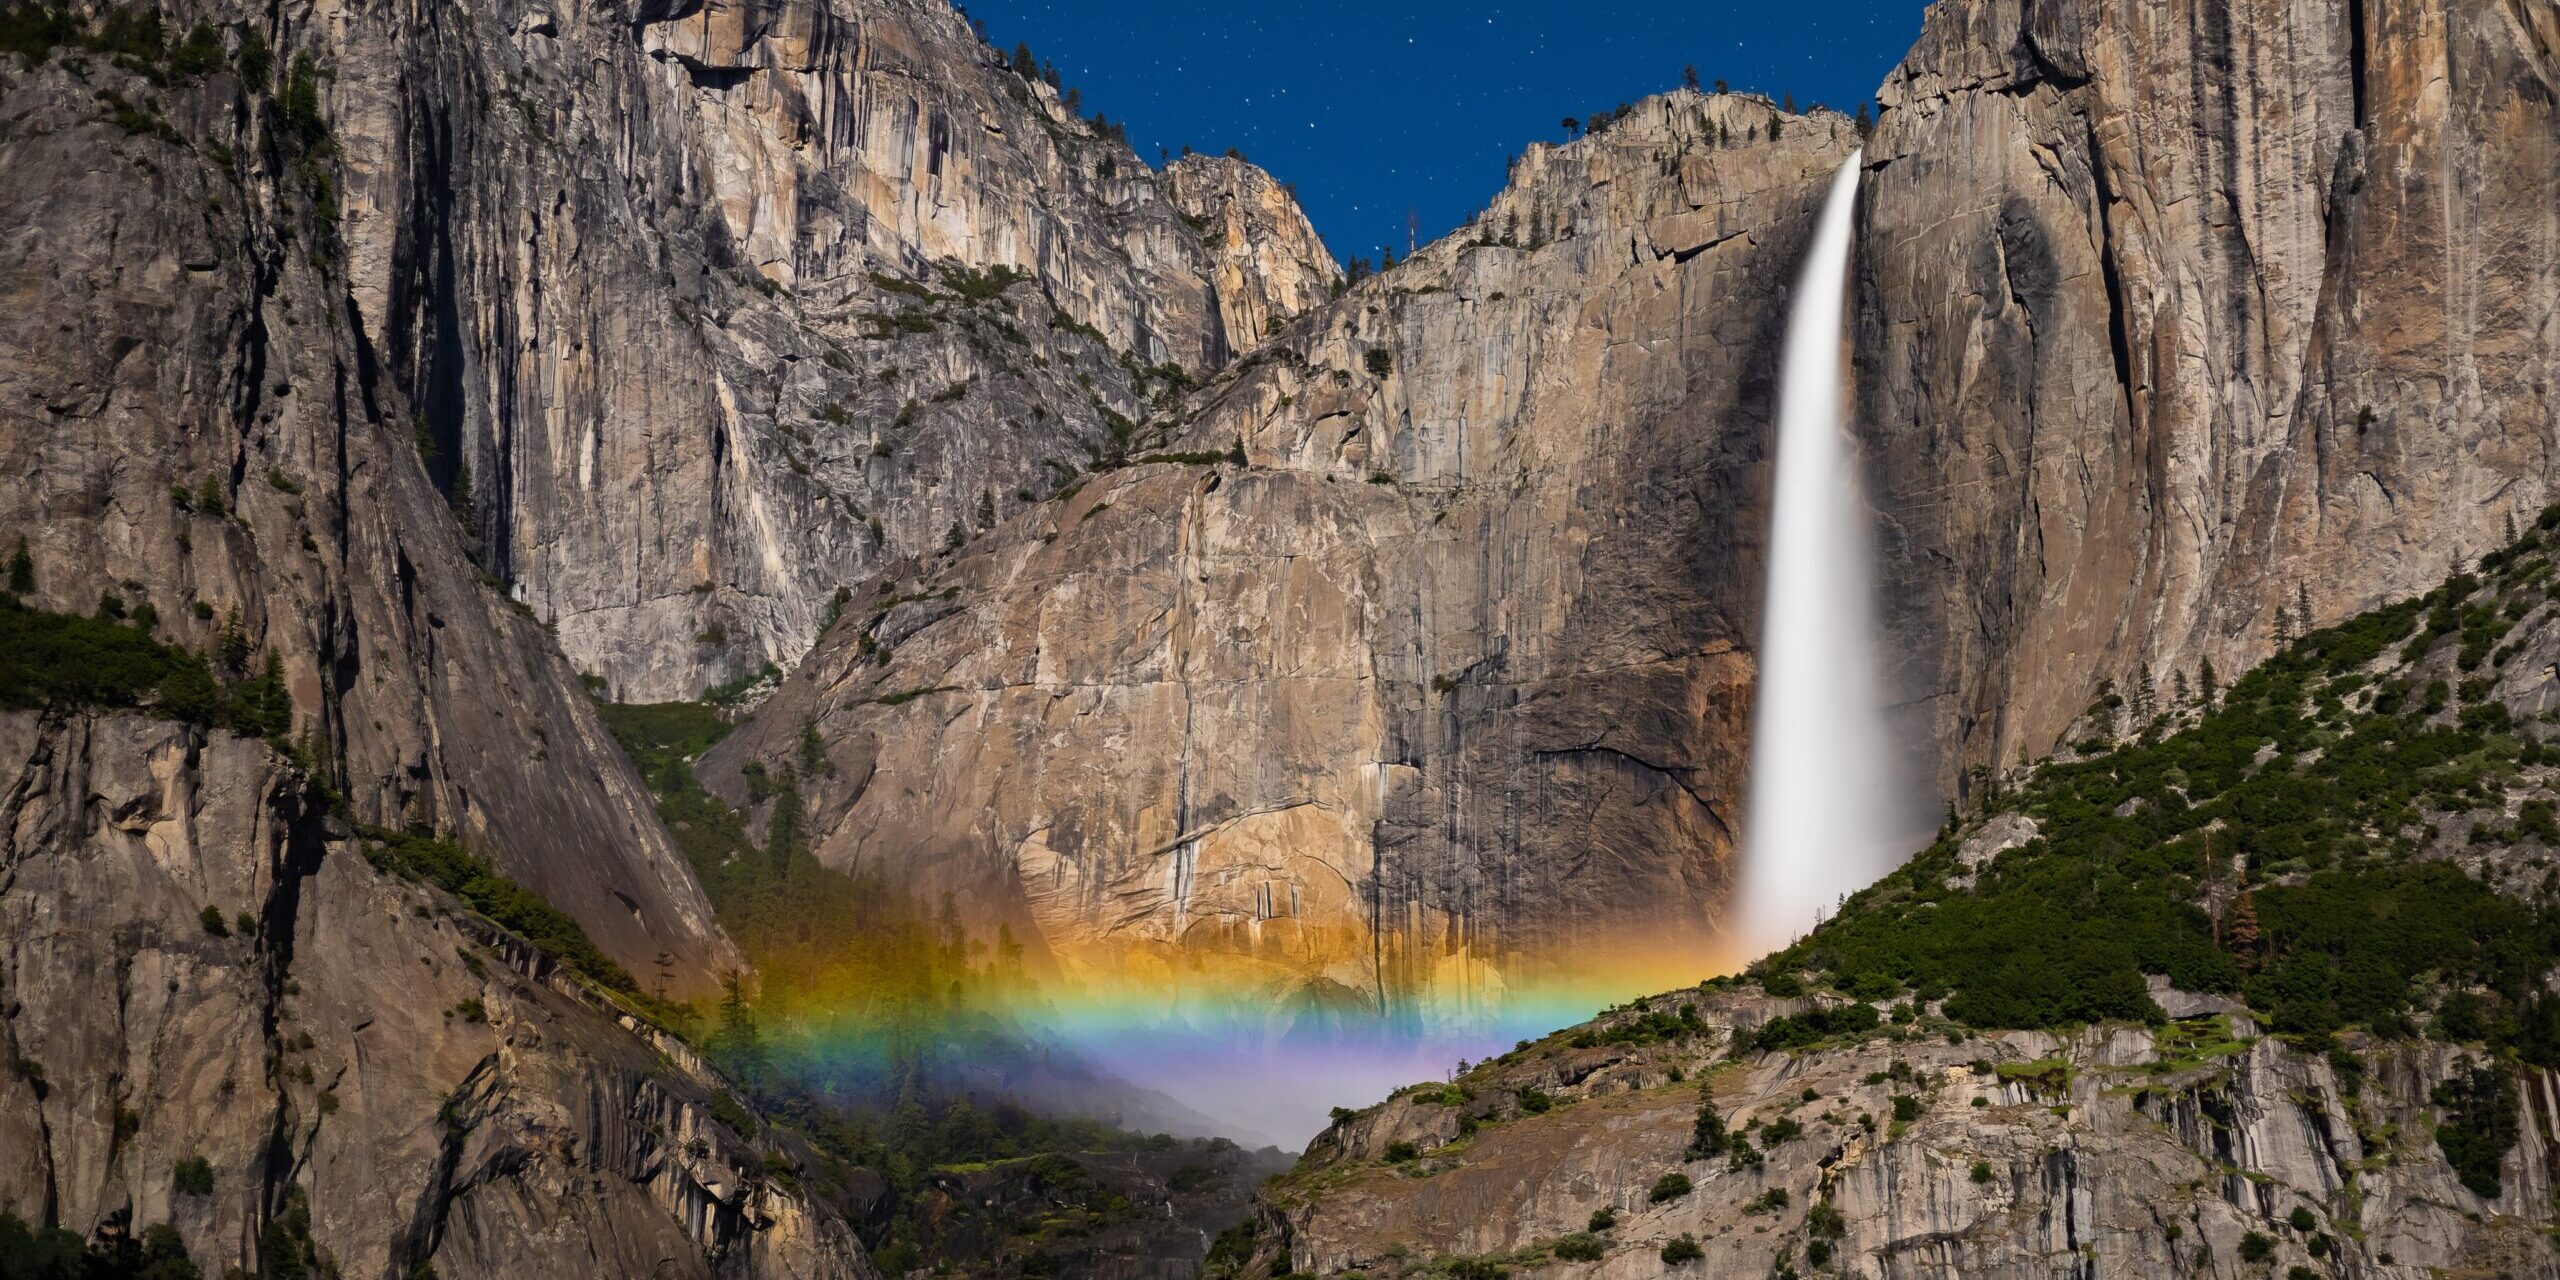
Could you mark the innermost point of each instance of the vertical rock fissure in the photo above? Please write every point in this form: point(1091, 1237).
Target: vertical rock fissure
point(2357, 55)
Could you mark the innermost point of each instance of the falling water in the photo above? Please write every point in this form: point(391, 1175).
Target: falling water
point(1825, 816)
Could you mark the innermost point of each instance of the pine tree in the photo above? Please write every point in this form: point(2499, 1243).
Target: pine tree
point(2284, 625)
point(1572, 127)
point(231, 644)
point(22, 570)
point(986, 509)
point(783, 840)
point(1773, 128)
point(2244, 928)
point(2145, 695)
point(2302, 606)
point(1708, 1139)
point(2205, 681)
point(1721, 87)
point(1789, 104)
point(1866, 123)
point(736, 1044)
point(1689, 80)
point(2177, 689)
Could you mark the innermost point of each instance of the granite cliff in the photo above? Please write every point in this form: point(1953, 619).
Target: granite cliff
point(2175, 323)
point(1372, 650)
point(222, 1016)
point(1418, 648)
point(718, 306)
point(2164, 327)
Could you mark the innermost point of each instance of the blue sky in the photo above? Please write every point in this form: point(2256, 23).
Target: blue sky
point(1372, 110)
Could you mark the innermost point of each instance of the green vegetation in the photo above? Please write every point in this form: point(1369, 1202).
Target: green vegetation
point(1581, 1246)
point(63, 661)
point(51, 1253)
point(192, 1176)
point(1793, 1031)
point(2281, 840)
point(1709, 1139)
point(448, 866)
point(2262, 844)
point(1682, 1250)
point(2479, 1124)
point(1670, 1186)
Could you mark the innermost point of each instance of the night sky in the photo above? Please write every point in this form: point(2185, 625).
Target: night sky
point(1374, 109)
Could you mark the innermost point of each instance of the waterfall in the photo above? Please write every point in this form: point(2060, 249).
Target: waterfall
point(1826, 816)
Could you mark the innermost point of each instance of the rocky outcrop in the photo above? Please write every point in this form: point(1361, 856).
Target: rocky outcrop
point(713, 302)
point(1448, 675)
point(193, 420)
point(2170, 323)
point(1267, 264)
point(217, 1014)
point(2118, 1151)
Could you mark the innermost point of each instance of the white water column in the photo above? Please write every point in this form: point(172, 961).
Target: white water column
point(1825, 815)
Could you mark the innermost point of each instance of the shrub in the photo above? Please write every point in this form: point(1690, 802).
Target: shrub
point(1603, 1218)
point(1824, 1222)
point(1781, 1132)
point(1400, 1152)
point(2302, 1219)
point(1906, 1108)
point(192, 1176)
point(1791, 1031)
point(1981, 1172)
point(2257, 1246)
point(1534, 1101)
point(1773, 1200)
point(211, 919)
point(1670, 1186)
point(1579, 1247)
point(1379, 361)
point(1681, 1251)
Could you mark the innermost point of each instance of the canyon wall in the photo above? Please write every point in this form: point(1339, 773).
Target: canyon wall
point(1422, 648)
point(711, 305)
point(193, 423)
point(219, 1016)
point(2178, 317)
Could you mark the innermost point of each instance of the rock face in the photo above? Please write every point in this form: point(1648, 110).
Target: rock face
point(1450, 672)
point(199, 967)
point(2172, 322)
point(712, 300)
point(2115, 1152)
point(190, 420)
point(2161, 326)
